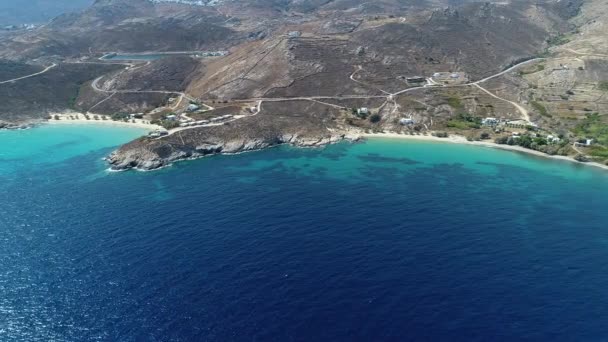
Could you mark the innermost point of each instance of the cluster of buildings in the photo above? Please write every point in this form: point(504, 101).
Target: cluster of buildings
point(553, 139)
point(158, 133)
point(438, 78)
point(212, 54)
point(191, 2)
point(188, 122)
point(494, 122)
point(449, 77)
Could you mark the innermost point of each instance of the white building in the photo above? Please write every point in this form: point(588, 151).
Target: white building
point(363, 111)
point(490, 121)
point(192, 107)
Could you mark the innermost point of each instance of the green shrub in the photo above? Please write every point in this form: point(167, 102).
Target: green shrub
point(119, 116)
point(593, 127)
point(542, 110)
point(375, 118)
point(454, 102)
point(464, 121)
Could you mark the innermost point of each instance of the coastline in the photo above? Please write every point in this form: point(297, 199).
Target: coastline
point(457, 139)
point(79, 118)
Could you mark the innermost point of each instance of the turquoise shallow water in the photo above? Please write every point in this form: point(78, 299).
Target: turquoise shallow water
point(379, 241)
point(53, 144)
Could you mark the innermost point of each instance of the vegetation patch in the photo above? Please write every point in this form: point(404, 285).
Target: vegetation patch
point(599, 152)
point(539, 68)
point(603, 85)
point(120, 116)
point(558, 40)
point(455, 102)
point(74, 98)
point(542, 110)
point(464, 121)
point(536, 142)
point(593, 127)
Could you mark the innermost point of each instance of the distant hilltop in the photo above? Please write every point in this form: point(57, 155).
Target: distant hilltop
point(16, 12)
point(191, 2)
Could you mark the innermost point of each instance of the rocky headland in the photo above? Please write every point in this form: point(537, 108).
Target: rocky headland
point(244, 135)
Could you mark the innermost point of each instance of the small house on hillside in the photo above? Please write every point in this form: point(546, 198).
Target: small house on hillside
point(406, 121)
point(363, 111)
point(415, 79)
point(490, 122)
point(193, 107)
point(584, 142)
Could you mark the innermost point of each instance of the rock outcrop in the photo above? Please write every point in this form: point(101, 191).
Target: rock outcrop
point(246, 134)
point(146, 154)
point(11, 125)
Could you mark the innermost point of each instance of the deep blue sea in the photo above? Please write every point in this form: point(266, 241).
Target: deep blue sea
point(379, 241)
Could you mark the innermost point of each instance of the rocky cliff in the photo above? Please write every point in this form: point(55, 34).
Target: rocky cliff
point(246, 134)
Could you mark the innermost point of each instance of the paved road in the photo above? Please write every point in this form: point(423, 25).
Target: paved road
point(32, 75)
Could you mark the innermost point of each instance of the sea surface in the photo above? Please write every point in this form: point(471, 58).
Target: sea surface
point(379, 241)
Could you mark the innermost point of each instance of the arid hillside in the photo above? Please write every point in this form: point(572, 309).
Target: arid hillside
point(291, 71)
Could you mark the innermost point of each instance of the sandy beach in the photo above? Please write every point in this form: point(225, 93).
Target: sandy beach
point(79, 118)
point(456, 139)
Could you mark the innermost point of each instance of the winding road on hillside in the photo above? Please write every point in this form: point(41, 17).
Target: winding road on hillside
point(585, 53)
point(319, 99)
point(32, 75)
point(96, 87)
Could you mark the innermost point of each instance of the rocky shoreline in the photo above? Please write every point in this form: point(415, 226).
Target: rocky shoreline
point(159, 155)
point(147, 154)
point(150, 154)
point(11, 125)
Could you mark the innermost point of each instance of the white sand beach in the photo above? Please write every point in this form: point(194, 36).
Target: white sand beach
point(79, 118)
point(463, 140)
